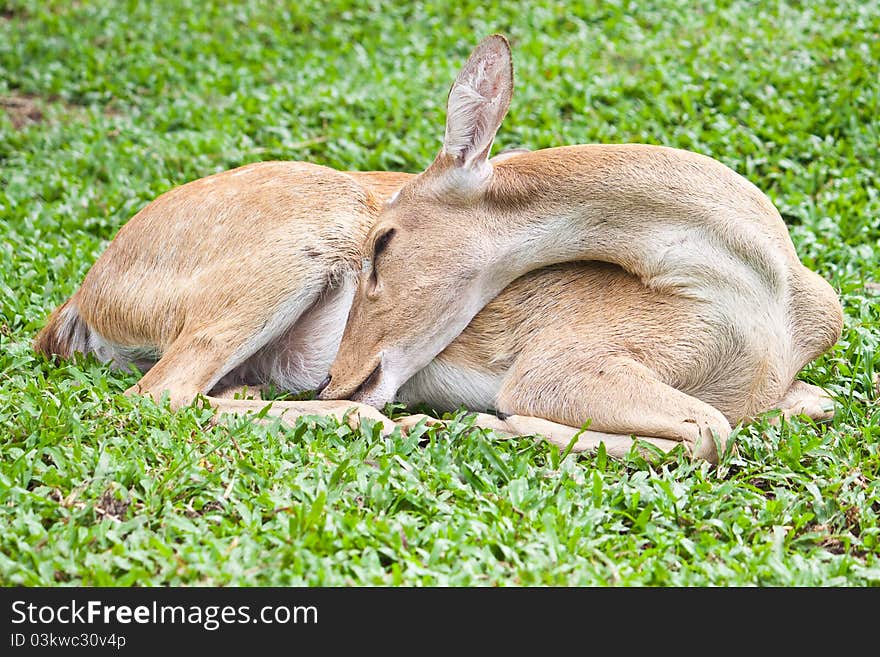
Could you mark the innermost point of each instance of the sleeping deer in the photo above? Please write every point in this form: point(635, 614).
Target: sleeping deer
point(702, 316)
point(651, 292)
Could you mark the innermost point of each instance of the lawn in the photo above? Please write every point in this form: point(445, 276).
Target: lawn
point(105, 105)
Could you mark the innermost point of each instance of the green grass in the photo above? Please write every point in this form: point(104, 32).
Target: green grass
point(105, 105)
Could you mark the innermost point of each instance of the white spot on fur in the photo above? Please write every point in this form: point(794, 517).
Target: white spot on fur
point(445, 387)
point(121, 357)
point(290, 311)
point(462, 181)
point(506, 155)
point(301, 357)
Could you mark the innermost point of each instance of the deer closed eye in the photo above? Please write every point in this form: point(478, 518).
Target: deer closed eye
point(379, 246)
point(382, 242)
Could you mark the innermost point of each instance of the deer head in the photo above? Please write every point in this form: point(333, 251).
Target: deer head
point(428, 260)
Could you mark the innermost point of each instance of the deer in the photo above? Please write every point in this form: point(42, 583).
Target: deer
point(587, 295)
point(702, 317)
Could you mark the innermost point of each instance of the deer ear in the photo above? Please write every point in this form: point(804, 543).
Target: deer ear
point(477, 102)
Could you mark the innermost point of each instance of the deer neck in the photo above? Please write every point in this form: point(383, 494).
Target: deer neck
point(677, 220)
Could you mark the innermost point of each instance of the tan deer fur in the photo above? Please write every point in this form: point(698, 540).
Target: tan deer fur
point(703, 317)
point(693, 321)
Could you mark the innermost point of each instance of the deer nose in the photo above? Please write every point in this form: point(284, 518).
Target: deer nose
point(323, 384)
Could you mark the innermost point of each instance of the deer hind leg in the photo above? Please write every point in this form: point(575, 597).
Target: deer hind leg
point(806, 399)
point(189, 367)
point(619, 396)
point(202, 355)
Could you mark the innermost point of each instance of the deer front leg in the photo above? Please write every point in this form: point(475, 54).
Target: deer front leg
point(517, 426)
point(618, 395)
point(289, 411)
